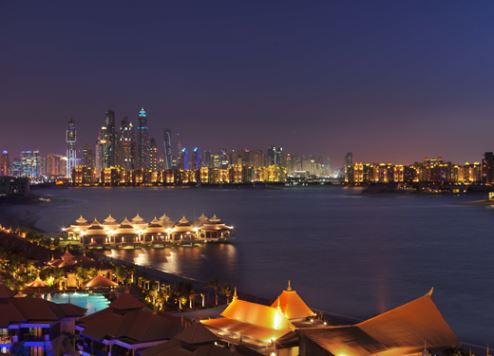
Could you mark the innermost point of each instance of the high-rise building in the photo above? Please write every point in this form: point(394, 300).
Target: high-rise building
point(70, 140)
point(111, 140)
point(167, 145)
point(16, 168)
point(142, 138)
point(30, 164)
point(196, 158)
point(275, 156)
point(348, 159)
point(153, 156)
point(4, 163)
point(183, 158)
point(126, 145)
point(488, 168)
point(102, 142)
point(87, 157)
point(55, 166)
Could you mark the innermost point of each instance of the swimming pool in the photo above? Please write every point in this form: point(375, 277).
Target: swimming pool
point(92, 302)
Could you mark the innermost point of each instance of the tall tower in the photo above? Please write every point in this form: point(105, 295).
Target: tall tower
point(101, 149)
point(4, 163)
point(167, 142)
point(142, 147)
point(70, 140)
point(126, 145)
point(196, 158)
point(153, 155)
point(111, 138)
point(275, 155)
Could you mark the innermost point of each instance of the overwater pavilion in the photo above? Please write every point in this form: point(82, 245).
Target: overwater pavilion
point(138, 231)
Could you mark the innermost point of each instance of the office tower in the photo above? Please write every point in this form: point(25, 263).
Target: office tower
point(183, 158)
point(102, 142)
point(70, 140)
point(488, 168)
point(275, 155)
point(55, 166)
point(126, 145)
point(348, 159)
point(153, 156)
point(4, 163)
point(87, 157)
point(206, 158)
point(111, 139)
point(16, 168)
point(142, 146)
point(167, 143)
point(30, 164)
point(196, 158)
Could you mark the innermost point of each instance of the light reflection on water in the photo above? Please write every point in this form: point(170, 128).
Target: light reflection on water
point(191, 261)
point(346, 253)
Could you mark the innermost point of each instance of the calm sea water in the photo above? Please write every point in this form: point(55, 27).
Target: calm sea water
point(346, 253)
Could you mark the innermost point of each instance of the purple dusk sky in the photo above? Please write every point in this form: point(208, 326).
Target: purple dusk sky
point(389, 80)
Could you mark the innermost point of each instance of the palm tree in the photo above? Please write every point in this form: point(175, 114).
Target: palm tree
point(227, 290)
point(215, 286)
point(192, 296)
point(182, 300)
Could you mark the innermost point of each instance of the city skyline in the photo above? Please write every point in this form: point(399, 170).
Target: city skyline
point(324, 79)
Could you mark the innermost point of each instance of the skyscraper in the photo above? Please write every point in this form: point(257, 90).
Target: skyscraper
point(167, 143)
point(196, 158)
point(30, 164)
point(488, 168)
point(101, 144)
point(126, 145)
point(183, 158)
point(4, 163)
point(153, 155)
point(87, 157)
point(142, 147)
point(275, 155)
point(55, 166)
point(70, 140)
point(111, 139)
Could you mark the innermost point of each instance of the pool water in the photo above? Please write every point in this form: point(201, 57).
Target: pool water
point(92, 302)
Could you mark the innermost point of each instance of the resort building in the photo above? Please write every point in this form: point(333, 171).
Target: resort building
point(416, 328)
point(195, 340)
point(34, 326)
point(70, 263)
point(157, 231)
point(126, 327)
point(255, 325)
point(289, 327)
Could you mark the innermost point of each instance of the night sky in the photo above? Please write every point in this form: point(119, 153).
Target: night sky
point(388, 80)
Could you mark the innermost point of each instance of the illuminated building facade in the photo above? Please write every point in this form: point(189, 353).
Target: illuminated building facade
point(4, 163)
point(109, 149)
point(71, 140)
point(153, 156)
point(30, 164)
point(55, 166)
point(126, 145)
point(142, 141)
point(167, 145)
point(102, 142)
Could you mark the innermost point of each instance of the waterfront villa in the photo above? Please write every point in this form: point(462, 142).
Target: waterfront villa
point(125, 327)
point(34, 326)
point(156, 231)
